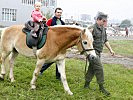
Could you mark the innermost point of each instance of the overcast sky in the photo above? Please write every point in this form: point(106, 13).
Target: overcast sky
point(116, 9)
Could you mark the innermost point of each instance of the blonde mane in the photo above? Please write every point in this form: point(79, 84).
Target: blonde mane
point(88, 33)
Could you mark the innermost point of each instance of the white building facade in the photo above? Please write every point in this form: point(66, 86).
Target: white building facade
point(19, 11)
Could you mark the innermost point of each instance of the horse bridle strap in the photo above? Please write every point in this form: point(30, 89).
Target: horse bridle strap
point(84, 50)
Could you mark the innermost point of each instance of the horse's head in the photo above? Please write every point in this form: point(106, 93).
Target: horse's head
point(85, 44)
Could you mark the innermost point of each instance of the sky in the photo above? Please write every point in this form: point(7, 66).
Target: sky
point(116, 9)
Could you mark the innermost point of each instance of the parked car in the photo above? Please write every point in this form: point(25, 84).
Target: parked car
point(110, 30)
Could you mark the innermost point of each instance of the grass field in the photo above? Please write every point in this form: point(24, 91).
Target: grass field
point(119, 80)
point(122, 47)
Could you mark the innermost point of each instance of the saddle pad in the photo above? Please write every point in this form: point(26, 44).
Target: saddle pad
point(39, 42)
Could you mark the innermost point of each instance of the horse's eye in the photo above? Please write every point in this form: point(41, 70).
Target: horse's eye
point(85, 42)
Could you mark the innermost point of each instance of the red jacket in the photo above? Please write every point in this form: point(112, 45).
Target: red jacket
point(52, 21)
point(49, 22)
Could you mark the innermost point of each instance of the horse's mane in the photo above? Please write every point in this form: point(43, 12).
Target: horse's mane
point(69, 26)
point(88, 33)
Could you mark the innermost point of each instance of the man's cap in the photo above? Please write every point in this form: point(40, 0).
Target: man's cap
point(101, 15)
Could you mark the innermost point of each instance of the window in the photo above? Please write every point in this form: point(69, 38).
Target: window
point(47, 2)
point(44, 2)
point(28, 2)
point(52, 2)
point(9, 14)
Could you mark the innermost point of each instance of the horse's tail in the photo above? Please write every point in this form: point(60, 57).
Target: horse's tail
point(2, 32)
point(1, 35)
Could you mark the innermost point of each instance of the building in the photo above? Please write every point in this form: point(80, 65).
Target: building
point(19, 11)
point(85, 17)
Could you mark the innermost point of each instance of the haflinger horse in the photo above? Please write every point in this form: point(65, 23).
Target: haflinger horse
point(59, 39)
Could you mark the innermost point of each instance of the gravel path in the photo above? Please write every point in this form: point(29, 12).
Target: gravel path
point(106, 58)
point(117, 59)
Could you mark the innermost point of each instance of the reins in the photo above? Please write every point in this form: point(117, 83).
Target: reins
point(86, 64)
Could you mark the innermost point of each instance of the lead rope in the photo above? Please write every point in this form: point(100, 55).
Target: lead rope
point(86, 65)
point(83, 52)
point(34, 51)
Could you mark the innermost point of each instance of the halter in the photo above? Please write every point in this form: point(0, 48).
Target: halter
point(84, 51)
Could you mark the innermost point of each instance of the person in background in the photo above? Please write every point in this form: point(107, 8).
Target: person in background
point(126, 29)
point(131, 30)
point(56, 20)
point(95, 66)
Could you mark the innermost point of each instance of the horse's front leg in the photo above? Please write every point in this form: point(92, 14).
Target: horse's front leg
point(61, 68)
point(36, 73)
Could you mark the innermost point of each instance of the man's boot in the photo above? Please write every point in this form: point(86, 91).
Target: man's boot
point(103, 90)
point(34, 50)
point(87, 84)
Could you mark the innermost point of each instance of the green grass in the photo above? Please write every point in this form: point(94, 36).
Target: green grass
point(122, 47)
point(117, 78)
point(119, 82)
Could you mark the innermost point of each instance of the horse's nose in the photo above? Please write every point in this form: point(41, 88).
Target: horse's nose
point(91, 57)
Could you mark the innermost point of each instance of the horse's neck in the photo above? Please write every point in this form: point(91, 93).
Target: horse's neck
point(65, 39)
point(69, 39)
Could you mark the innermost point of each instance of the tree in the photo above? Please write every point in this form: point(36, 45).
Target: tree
point(125, 23)
point(48, 15)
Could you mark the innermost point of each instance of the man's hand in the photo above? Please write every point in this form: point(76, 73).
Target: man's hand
point(112, 53)
point(109, 47)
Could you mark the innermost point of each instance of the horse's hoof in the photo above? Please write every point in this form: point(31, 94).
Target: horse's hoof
point(1, 77)
point(33, 87)
point(12, 80)
point(70, 93)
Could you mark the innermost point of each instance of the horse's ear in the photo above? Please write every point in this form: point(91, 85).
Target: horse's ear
point(83, 31)
point(91, 28)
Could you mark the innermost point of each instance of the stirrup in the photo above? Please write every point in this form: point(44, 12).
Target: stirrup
point(34, 50)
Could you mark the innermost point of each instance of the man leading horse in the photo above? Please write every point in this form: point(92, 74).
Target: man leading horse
point(95, 66)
